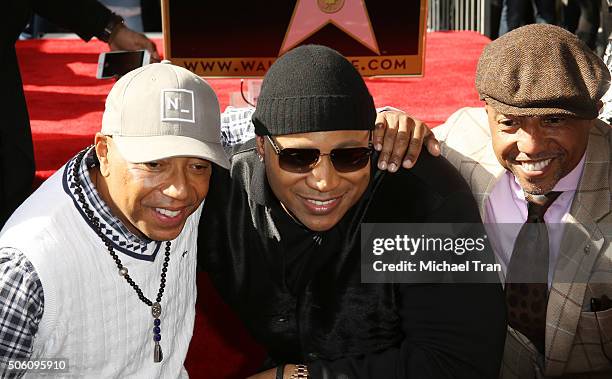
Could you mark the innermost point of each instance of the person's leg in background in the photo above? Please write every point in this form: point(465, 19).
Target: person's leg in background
point(151, 15)
point(606, 112)
point(546, 12)
point(581, 17)
point(519, 13)
point(16, 150)
point(588, 24)
point(603, 39)
point(503, 19)
point(571, 15)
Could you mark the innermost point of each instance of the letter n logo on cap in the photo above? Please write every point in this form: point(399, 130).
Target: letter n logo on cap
point(177, 105)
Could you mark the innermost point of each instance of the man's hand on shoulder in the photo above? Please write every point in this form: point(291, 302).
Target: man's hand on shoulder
point(399, 137)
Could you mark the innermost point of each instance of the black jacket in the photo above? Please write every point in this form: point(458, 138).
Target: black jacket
point(85, 17)
point(333, 322)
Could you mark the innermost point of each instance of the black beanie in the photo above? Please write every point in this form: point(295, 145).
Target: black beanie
point(312, 89)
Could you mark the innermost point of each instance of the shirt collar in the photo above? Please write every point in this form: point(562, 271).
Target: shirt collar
point(113, 229)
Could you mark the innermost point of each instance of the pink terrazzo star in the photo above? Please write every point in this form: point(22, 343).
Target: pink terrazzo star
point(309, 16)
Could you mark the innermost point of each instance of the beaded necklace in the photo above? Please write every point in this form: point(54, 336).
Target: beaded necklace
point(156, 308)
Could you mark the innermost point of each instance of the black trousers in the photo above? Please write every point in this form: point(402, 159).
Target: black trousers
point(521, 12)
point(151, 15)
point(582, 18)
point(16, 150)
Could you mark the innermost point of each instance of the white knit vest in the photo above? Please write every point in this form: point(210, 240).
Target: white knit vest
point(92, 316)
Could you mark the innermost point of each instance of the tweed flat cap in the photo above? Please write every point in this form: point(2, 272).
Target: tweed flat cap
point(541, 69)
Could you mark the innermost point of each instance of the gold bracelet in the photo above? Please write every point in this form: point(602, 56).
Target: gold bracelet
point(300, 372)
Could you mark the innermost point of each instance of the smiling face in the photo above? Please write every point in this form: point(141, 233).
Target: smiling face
point(152, 199)
point(539, 151)
point(318, 198)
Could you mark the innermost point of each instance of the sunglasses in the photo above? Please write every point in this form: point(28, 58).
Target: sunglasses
point(303, 160)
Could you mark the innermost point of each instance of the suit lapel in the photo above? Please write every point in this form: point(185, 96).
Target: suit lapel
point(593, 198)
point(473, 156)
point(581, 246)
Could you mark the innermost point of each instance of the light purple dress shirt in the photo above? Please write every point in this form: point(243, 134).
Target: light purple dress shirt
point(499, 210)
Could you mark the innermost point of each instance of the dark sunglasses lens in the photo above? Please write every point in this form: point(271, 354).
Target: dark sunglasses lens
point(351, 159)
point(298, 160)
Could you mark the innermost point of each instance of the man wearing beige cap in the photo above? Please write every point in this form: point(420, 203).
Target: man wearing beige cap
point(98, 265)
point(537, 157)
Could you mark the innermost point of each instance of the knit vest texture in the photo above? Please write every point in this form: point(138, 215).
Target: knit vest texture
point(92, 316)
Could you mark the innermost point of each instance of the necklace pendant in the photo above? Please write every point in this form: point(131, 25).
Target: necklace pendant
point(156, 310)
point(157, 353)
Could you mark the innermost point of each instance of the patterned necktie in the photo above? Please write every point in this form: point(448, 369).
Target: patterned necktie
point(527, 274)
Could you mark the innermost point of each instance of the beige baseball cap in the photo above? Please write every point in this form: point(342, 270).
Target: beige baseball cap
point(162, 111)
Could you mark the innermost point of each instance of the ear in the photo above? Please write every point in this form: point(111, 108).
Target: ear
point(102, 151)
point(600, 105)
point(261, 146)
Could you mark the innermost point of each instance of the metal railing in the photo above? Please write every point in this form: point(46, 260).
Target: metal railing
point(457, 15)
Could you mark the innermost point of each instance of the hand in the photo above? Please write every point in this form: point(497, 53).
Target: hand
point(399, 138)
point(124, 38)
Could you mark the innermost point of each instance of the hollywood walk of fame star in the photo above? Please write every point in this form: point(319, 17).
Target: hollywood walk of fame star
point(350, 16)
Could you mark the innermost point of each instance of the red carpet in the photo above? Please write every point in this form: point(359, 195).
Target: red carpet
point(66, 102)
